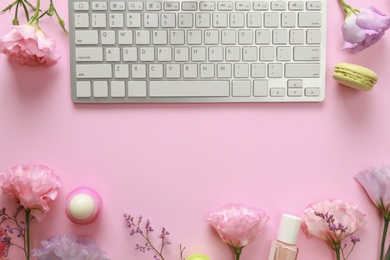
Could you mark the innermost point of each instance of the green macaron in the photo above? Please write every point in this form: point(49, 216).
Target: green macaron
point(354, 76)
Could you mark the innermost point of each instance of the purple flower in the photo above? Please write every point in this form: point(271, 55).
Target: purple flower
point(67, 247)
point(363, 27)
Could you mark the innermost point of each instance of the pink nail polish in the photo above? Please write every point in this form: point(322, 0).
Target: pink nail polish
point(83, 205)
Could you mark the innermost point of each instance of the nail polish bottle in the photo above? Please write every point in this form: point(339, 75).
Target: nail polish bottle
point(284, 247)
point(83, 205)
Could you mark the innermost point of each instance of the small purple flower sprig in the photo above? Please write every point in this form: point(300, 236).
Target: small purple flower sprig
point(338, 229)
point(145, 232)
point(19, 229)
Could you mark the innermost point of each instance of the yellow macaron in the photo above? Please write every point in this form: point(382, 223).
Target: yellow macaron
point(354, 76)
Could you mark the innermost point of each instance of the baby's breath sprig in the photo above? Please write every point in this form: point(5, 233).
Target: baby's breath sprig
point(145, 232)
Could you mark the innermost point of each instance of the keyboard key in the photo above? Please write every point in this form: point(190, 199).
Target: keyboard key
point(136, 88)
point(135, 6)
point(189, 6)
point(118, 89)
point(313, 5)
point(121, 71)
point(86, 37)
point(207, 70)
point(309, 19)
point(189, 88)
point(81, 20)
point(277, 92)
point(98, 71)
point(81, 6)
point(89, 54)
point(243, 6)
point(302, 70)
point(303, 53)
point(153, 6)
point(241, 88)
point(171, 6)
point(207, 6)
point(275, 70)
point(260, 5)
point(254, 20)
point(296, 5)
point(313, 36)
point(138, 71)
point(133, 20)
point(271, 20)
point(83, 89)
point(294, 92)
point(99, 20)
point(258, 70)
point(100, 89)
point(117, 6)
point(260, 88)
point(156, 71)
point(225, 6)
point(278, 5)
point(312, 92)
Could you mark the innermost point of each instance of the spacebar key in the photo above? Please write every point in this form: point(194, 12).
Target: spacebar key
point(189, 88)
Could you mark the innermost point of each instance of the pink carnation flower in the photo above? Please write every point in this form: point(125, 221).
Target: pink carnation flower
point(345, 216)
point(363, 27)
point(237, 225)
point(28, 45)
point(32, 186)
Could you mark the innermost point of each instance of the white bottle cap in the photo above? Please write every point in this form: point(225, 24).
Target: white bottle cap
point(289, 229)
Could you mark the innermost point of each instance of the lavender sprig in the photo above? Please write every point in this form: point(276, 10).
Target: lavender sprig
point(19, 229)
point(145, 231)
point(338, 229)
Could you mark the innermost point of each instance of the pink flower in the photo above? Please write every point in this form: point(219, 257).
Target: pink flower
point(28, 45)
point(33, 186)
point(376, 182)
point(363, 27)
point(333, 221)
point(237, 225)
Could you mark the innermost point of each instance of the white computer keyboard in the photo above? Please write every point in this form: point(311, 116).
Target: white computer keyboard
point(197, 51)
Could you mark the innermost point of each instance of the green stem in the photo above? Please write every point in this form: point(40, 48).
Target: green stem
point(237, 252)
point(35, 18)
point(337, 250)
point(347, 8)
point(385, 228)
point(27, 241)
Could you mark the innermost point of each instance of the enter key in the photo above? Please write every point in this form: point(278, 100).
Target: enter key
point(307, 53)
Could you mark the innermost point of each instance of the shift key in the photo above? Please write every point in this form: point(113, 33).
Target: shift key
point(302, 70)
point(99, 71)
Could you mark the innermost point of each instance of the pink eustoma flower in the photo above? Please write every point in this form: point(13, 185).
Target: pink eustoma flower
point(28, 45)
point(237, 225)
point(376, 182)
point(343, 213)
point(32, 186)
point(363, 27)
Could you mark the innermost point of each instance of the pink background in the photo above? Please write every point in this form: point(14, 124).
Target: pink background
point(176, 163)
